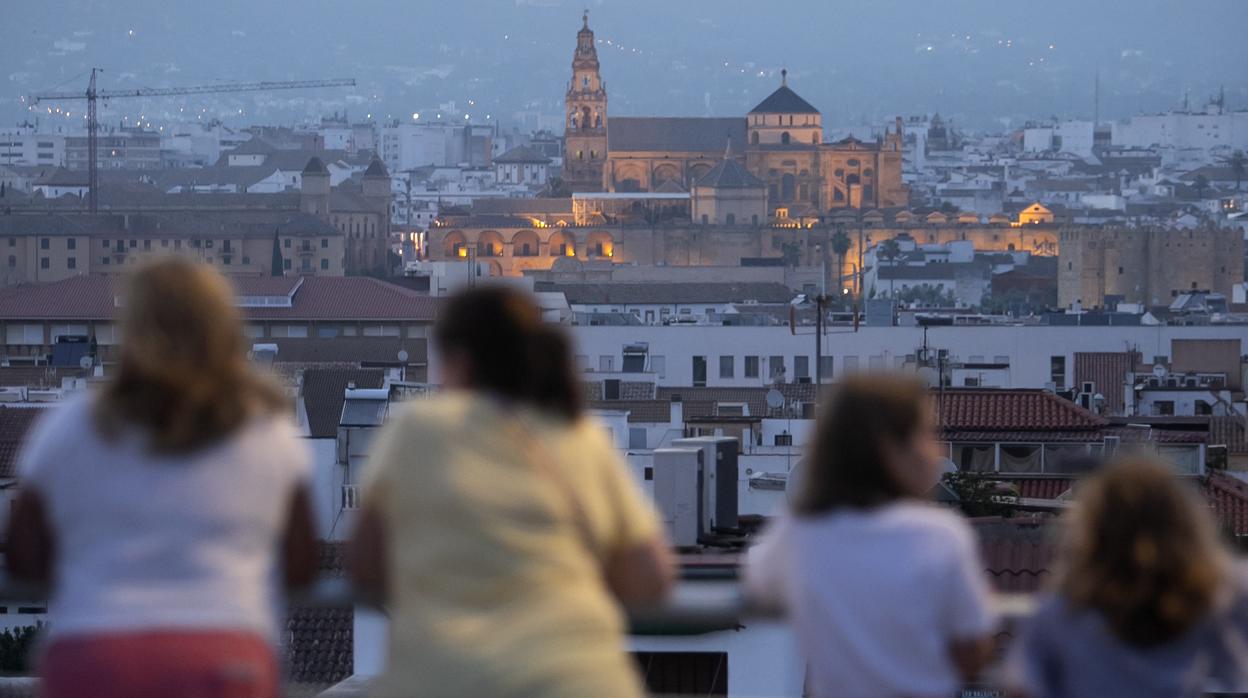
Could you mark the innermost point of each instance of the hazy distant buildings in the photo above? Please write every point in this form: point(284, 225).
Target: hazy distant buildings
point(124, 148)
point(26, 146)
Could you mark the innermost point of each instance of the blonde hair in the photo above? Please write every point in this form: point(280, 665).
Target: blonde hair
point(1142, 550)
point(183, 376)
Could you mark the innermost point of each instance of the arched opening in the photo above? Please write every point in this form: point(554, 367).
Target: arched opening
point(787, 187)
point(489, 244)
point(600, 244)
point(454, 245)
point(562, 245)
point(784, 138)
point(698, 171)
point(524, 244)
point(664, 172)
point(754, 138)
point(597, 120)
point(814, 138)
point(585, 117)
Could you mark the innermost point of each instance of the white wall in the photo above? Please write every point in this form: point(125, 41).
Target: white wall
point(1027, 348)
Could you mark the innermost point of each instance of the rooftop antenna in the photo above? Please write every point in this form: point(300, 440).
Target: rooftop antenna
point(784, 77)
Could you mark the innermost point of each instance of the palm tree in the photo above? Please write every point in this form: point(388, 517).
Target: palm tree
point(890, 250)
point(840, 245)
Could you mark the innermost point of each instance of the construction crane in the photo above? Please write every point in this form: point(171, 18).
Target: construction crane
point(92, 95)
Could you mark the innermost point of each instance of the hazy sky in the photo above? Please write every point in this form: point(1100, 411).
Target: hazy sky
point(981, 62)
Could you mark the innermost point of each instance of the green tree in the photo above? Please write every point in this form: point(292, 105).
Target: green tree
point(15, 649)
point(926, 294)
point(890, 250)
point(980, 495)
point(1238, 164)
point(1201, 183)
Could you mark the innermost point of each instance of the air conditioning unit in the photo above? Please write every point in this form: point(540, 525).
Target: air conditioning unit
point(677, 493)
point(719, 480)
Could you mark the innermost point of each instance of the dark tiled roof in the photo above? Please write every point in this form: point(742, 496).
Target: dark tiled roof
point(784, 101)
point(63, 177)
point(1228, 498)
point(1229, 431)
point(171, 223)
point(517, 207)
point(639, 411)
point(709, 292)
point(320, 641)
point(376, 169)
point(360, 351)
point(700, 402)
point(989, 410)
point(729, 174)
point(315, 166)
point(679, 134)
point(1107, 370)
point(521, 154)
point(323, 394)
point(15, 423)
point(91, 297)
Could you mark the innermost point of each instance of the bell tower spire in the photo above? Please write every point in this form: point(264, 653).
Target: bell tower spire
point(585, 130)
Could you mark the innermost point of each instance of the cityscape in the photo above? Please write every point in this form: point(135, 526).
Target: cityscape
point(746, 282)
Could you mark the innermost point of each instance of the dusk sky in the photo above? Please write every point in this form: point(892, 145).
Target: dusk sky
point(985, 63)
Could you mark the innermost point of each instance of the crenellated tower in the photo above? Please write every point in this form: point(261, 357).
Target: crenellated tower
point(585, 130)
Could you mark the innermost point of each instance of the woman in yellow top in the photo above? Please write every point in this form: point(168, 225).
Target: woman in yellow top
point(500, 527)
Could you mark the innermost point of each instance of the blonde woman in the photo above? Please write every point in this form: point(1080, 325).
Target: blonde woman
point(500, 524)
point(165, 510)
point(1147, 603)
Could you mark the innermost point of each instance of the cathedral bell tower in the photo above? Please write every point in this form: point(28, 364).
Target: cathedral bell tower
point(585, 130)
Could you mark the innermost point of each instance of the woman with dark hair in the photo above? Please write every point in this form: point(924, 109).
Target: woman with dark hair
point(1146, 600)
point(162, 510)
point(500, 528)
point(885, 592)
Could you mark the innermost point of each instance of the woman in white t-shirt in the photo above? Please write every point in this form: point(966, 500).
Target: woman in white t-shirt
point(886, 593)
point(165, 510)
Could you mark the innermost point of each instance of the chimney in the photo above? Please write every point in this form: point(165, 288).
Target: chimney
point(678, 412)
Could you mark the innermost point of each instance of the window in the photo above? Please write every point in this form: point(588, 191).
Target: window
point(72, 263)
point(801, 368)
point(286, 243)
point(775, 368)
point(13, 261)
point(699, 371)
point(1163, 408)
point(1020, 458)
point(324, 264)
point(13, 242)
point(606, 363)
point(324, 243)
point(45, 263)
point(45, 244)
point(286, 264)
point(1057, 371)
point(825, 367)
point(785, 439)
point(637, 439)
point(71, 244)
point(726, 367)
point(23, 334)
point(751, 367)
point(977, 458)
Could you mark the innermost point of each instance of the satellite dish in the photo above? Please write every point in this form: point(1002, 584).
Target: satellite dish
point(775, 399)
point(86, 362)
point(403, 356)
point(1159, 370)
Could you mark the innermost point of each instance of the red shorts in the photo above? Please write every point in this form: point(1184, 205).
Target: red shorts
point(160, 663)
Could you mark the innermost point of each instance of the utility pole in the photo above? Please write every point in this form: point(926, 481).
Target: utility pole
point(819, 301)
point(93, 175)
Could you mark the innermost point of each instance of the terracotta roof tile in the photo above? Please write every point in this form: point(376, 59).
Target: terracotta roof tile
point(985, 410)
point(1228, 498)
